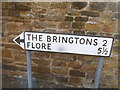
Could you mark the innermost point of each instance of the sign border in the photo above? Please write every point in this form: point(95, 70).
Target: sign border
point(69, 34)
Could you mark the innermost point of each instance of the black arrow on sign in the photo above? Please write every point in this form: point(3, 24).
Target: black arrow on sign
point(18, 40)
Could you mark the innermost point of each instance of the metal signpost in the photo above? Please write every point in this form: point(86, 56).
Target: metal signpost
point(64, 43)
point(29, 68)
point(98, 72)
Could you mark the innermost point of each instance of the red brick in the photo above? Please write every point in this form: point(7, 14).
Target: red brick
point(98, 6)
point(74, 65)
point(43, 62)
point(81, 19)
point(4, 12)
point(60, 63)
point(55, 15)
point(86, 58)
point(26, 26)
point(11, 73)
point(41, 69)
point(93, 27)
point(110, 27)
point(43, 4)
point(61, 5)
point(7, 61)
point(6, 5)
point(21, 68)
point(79, 5)
point(43, 76)
point(63, 71)
point(19, 58)
point(12, 27)
point(78, 25)
point(6, 53)
point(41, 55)
point(87, 67)
point(64, 25)
point(67, 18)
point(90, 13)
point(90, 74)
point(13, 46)
point(9, 67)
point(77, 73)
point(21, 6)
point(13, 13)
point(21, 64)
point(61, 56)
point(75, 81)
point(15, 19)
point(62, 79)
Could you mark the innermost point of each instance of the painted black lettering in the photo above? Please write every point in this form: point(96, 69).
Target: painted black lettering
point(64, 39)
point(43, 46)
point(95, 42)
point(105, 42)
point(48, 39)
point(99, 50)
point(71, 40)
point(54, 38)
point(28, 36)
point(88, 41)
point(40, 37)
point(33, 46)
point(28, 44)
point(59, 39)
point(76, 40)
point(49, 46)
point(82, 41)
point(38, 45)
point(34, 37)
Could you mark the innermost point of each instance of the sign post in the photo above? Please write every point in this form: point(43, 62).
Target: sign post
point(98, 72)
point(64, 43)
point(29, 68)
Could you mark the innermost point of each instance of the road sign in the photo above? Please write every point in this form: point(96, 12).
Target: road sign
point(65, 43)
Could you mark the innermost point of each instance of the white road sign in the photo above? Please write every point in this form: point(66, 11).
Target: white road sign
point(65, 43)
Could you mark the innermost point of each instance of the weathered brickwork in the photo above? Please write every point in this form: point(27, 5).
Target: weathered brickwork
point(55, 70)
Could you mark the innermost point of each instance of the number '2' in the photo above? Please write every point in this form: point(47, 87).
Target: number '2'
point(105, 42)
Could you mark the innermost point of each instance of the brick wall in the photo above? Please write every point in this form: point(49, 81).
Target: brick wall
point(54, 70)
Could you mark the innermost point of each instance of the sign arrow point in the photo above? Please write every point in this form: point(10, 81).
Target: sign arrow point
point(19, 40)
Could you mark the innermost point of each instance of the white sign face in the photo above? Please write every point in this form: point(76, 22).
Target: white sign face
point(64, 43)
